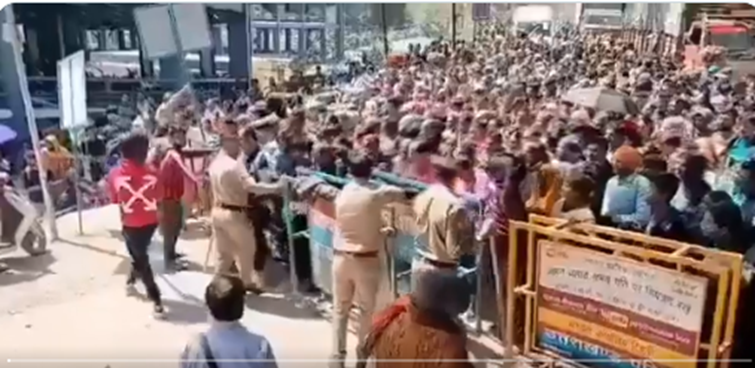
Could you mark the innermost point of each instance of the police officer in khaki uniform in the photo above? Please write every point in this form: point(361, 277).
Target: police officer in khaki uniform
point(357, 247)
point(446, 230)
point(231, 185)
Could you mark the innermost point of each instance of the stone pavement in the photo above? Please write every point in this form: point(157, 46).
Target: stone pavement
point(71, 304)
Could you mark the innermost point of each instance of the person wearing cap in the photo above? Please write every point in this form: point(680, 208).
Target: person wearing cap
point(357, 271)
point(231, 184)
point(446, 232)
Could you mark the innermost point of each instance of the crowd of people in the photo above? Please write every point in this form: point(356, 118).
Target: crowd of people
point(584, 128)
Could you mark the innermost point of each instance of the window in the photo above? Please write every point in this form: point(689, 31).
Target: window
point(128, 43)
point(733, 41)
point(695, 36)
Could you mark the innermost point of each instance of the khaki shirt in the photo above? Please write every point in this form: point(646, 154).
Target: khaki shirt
point(443, 221)
point(358, 208)
point(231, 183)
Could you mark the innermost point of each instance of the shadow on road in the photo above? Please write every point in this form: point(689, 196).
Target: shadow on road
point(25, 268)
point(279, 305)
point(195, 231)
point(112, 253)
point(184, 312)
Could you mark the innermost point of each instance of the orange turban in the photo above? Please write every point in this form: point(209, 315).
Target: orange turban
point(628, 157)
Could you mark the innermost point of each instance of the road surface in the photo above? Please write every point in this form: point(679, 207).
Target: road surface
point(69, 307)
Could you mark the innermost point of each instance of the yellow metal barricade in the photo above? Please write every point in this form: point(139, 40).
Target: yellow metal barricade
point(589, 294)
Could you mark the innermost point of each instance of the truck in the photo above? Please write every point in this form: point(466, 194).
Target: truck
point(721, 35)
point(531, 19)
point(600, 17)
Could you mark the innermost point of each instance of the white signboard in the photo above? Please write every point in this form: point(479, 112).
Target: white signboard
point(158, 36)
point(673, 20)
point(663, 295)
point(72, 91)
point(192, 26)
point(155, 31)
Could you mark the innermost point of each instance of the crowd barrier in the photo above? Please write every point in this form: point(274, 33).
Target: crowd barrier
point(605, 297)
point(399, 248)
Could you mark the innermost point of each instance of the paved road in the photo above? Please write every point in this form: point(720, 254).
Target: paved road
point(71, 304)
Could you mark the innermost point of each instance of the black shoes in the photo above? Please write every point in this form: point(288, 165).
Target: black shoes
point(158, 311)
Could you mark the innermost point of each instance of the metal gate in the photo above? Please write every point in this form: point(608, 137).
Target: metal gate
point(591, 294)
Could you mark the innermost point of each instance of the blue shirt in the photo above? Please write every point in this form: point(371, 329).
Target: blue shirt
point(232, 346)
point(625, 201)
point(741, 151)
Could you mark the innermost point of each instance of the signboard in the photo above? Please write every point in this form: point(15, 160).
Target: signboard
point(72, 91)
point(192, 26)
point(615, 312)
point(155, 31)
point(673, 19)
point(481, 11)
point(166, 30)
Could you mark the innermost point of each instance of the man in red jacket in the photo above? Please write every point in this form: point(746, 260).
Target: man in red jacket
point(135, 188)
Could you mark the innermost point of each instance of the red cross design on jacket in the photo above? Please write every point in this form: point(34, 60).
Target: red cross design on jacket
point(149, 182)
point(135, 188)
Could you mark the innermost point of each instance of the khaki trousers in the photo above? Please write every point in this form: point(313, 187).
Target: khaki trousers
point(356, 280)
point(234, 239)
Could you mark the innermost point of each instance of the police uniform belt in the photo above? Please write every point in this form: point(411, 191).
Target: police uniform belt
point(372, 254)
point(233, 208)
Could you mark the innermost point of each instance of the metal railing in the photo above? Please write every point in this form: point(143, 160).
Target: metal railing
point(400, 244)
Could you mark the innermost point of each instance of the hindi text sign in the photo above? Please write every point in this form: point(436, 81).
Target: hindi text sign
point(594, 306)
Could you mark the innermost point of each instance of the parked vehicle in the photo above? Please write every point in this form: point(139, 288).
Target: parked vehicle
point(534, 19)
point(21, 223)
point(721, 42)
point(601, 17)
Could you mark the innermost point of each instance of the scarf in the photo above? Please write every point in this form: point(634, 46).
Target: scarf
point(381, 321)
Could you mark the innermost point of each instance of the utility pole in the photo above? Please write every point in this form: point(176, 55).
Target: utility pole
point(453, 26)
point(384, 22)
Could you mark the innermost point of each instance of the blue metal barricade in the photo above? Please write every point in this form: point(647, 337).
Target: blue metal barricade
point(401, 247)
point(320, 231)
